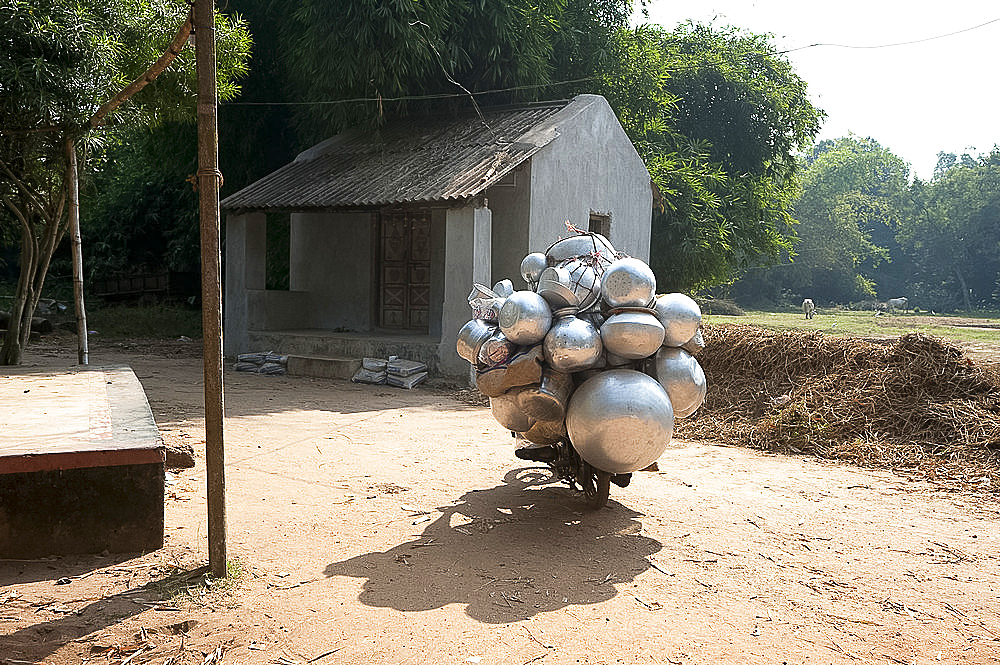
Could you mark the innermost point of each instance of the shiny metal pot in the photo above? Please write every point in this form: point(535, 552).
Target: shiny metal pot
point(525, 318)
point(508, 413)
point(532, 266)
point(581, 244)
point(682, 377)
point(554, 286)
point(632, 335)
point(628, 282)
point(572, 344)
point(548, 400)
point(584, 282)
point(471, 338)
point(680, 316)
point(620, 420)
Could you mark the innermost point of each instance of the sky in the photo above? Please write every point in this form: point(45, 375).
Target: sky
point(938, 95)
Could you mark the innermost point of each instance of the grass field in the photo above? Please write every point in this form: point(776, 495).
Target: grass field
point(981, 328)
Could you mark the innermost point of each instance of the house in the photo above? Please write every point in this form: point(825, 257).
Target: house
point(387, 230)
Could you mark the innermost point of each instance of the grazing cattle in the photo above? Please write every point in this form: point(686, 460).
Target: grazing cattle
point(808, 308)
point(898, 304)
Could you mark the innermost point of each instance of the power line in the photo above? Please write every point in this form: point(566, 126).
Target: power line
point(878, 46)
point(443, 95)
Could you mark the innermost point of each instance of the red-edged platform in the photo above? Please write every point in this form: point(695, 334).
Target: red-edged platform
point(81, 463)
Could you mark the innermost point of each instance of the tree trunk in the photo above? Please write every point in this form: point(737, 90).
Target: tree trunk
point(965, 290)
point(73, 189)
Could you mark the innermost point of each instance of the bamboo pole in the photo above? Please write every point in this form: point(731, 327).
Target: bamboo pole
point(211, 282)
point(76, 252)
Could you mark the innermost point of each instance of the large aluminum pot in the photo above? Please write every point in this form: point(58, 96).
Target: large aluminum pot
point(682, 377)
point(532, 266)
point(585, 283)
point(554, 286)
point(471, 338)
point(572, 344)
point(632, 335)
point(628, 282)
point(525, 318)
point(620, 420)
point(581, 244)
point(680, 316)
point(508, 413)
point(548, 400)
point(546, 432)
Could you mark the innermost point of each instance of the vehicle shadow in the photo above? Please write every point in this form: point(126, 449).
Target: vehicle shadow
point(510, 552)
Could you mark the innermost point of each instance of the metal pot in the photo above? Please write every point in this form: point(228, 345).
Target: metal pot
point(554, 285)
point(548, 400)
point(620, 420)
point(582, 244)
point(632, 334)
point(503, 288)
point(525, 318)
point(682, 377)
point(532, 266)
point(509, 414)
point(584, 282)
point(680, 316)
point(471, 338)
point(628, 282)
point(572, 344)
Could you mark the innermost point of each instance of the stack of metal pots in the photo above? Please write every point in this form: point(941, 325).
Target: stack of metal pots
point(588, 352)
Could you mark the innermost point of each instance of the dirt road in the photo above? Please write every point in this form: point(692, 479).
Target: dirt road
point(380, 525)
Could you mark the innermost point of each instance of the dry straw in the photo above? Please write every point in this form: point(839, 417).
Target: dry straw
point(913, 404)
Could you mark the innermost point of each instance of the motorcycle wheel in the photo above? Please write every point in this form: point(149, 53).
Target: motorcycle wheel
point(596, 486)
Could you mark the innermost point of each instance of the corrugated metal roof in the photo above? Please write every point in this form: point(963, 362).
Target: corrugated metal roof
point(407, 161)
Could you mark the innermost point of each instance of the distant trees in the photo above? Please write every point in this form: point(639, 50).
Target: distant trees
point(72, 73)
point(952, 236)
point(866, 231)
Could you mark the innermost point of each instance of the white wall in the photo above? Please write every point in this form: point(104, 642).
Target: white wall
point(467, 261)
point(511, 207)
point(590, 167)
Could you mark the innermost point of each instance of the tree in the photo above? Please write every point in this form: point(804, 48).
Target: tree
point(73, 72)
point(954, 234)
point(853, 197)
point(718, 117)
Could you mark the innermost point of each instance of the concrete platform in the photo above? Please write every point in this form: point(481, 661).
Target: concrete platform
point(311, 344)
point(81, 463)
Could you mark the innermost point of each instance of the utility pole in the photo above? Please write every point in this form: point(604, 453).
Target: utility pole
point(209, 178)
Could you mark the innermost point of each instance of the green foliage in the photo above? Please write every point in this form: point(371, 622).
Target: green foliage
point(62, 63)
point(717, 117)
point(953, 235)
point(139, 212)
point(853, 195)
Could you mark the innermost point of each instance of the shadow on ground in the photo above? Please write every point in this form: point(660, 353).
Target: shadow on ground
point(492, 550)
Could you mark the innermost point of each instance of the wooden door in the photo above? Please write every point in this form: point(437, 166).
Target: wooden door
point(405, 262)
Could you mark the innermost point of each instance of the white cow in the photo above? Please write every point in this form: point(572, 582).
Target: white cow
point(808, 308)
point(894, 304)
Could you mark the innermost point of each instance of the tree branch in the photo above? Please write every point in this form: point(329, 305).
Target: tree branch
point(147, 77)
point(26, 190)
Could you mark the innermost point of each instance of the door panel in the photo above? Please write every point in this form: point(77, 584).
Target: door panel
point(405, 252)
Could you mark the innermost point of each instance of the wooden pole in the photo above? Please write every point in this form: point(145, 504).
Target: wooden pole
point(211, 282)
point(76, 252)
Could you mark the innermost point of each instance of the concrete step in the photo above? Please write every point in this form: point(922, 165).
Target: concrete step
point(327, 368)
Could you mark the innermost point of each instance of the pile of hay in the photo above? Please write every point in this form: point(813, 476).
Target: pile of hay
point(912, 403)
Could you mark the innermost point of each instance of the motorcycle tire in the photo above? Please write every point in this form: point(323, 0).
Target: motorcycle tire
point(596, 486)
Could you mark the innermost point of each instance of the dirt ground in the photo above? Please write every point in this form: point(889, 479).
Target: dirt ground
point(380, 525)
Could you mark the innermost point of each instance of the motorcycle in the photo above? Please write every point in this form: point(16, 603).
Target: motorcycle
point(567, 466)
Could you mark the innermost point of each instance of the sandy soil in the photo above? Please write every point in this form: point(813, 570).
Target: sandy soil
point(380, 525)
